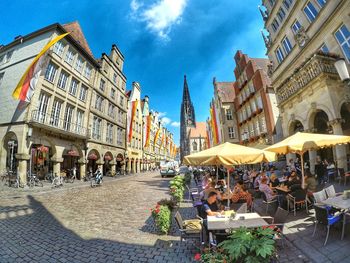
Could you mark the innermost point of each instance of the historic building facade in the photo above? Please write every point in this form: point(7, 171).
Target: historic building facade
point(197, 137)
point(305, 39)
point(255, 101)
point(134, 127)
point(50, 133)
point(107, 118)
point(224, 97)
point(187, 120)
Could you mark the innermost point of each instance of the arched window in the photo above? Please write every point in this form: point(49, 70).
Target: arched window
point(194, 146)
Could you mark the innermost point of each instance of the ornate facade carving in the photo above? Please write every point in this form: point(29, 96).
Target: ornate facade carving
point(301, 37)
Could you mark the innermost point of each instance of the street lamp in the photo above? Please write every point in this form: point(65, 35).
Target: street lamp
point(342, 70)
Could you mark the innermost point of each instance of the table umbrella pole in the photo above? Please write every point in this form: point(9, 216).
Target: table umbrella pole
point(228, 187)
point(302, 170)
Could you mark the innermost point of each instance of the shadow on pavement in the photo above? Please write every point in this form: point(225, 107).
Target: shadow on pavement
point(30, 233)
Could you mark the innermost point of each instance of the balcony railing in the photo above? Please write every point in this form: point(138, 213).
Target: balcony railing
point(312, 68)
point(54, 123)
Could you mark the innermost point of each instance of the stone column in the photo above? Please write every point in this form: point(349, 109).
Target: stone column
point(112, 164)
point(82, 169)
point(22, 159)
point(56, 165)
point(312, 157)
point(339, 149)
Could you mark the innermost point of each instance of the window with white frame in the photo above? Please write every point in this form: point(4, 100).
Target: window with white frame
point(87, 71)
point(112, 93)
point(69, 56)
point(281, 14)
point(194, 146)
point(79, 64)
point(111, 110)
point(279, 55)
point(343, 37)
point(102, 85)
point(263, 124)
point(257, 127)
point(120, 116)
point(59, 48)
point(251, 130)
point(55, 113)
point(8, 56)
point(80, 121)
point(121, 100)
point(322, 3)
point(83, 92)
point(109, 133)
point(96, 128)
point(42, 106)
point(296, 26)
point(68, 116)
point(287, 3)
point(50, 72)
point(99, 103)
point(115, 77)
point(324, 48)
point(287, 46)
point(1, 77)
point(229, 114)
point(73, 87)
point(62, 80)
point(231, 132)
point(310, 12)
point(120, 137)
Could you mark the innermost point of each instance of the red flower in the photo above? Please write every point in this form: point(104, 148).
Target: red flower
point(157, 211)
point(197, 257)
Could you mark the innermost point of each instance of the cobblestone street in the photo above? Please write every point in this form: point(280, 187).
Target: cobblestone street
point(107, 224)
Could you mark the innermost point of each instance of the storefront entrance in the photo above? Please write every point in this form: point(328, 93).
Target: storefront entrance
point(40, 163)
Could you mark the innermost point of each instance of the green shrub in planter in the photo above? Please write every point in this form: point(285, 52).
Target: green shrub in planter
point(162, 217)
point(177, 188)
point(250, 245)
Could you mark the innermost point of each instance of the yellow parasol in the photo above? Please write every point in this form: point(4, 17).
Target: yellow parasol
point(229, 154)
point(301, 142)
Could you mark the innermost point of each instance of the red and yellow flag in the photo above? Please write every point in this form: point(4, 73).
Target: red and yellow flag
point(26, 86)
point(148, 130)
point(156, 137)
point(132, 117)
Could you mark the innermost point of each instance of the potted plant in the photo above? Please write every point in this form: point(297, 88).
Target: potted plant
point(162, 217)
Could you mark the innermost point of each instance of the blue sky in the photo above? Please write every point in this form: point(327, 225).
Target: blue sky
point(161, 40)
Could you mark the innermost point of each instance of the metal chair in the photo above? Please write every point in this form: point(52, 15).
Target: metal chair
point(278, 221)
point(191, 228)
point(192, 193)
point(268, 202)
point(330, 191)
point(298, 198)
point(320, 196)
point(342, 175)
point(239, 207)
point(322, 216)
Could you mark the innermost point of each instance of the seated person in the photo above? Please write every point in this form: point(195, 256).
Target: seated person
point(293, 179)
point(221, 185)
point(274, 182)
point(263, 187)
point(210, 188)
point(257, 181)
point(239, 194)
point(310, 182)
point(210, 206)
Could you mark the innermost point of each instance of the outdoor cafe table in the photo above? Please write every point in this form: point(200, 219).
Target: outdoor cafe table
point(282, 189)
point(221, 223)
point(340, 203)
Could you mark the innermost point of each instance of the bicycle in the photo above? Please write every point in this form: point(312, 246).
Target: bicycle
point(17, 183)
point(71, 177)
point(33, 180)
point(96, 180)
point(49, 177)
point(57, 181)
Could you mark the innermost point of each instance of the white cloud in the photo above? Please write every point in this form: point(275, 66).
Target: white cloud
point(161, 16)
point(161, 114)
point(165, 121)
point(135, 5)
point(175, 124)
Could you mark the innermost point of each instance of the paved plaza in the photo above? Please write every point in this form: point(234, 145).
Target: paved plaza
point(112, 223)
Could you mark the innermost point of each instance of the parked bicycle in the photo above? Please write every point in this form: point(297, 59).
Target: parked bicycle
point(33, 180)
point(97, 179)
point(17, 182)
point(49, 177)
point(57, 181)
point(71, 176)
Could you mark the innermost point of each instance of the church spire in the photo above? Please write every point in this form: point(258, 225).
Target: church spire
point(186, 93)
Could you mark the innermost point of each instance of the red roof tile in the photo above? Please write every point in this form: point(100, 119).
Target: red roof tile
point(78, 35)
point(199, 131)
point(226, 91)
